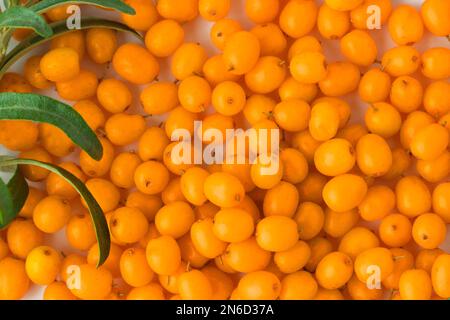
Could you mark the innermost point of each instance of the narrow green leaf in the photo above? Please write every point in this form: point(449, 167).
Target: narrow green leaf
point(60, 28)
point(34, 107)
point(21, 17)
point(12, 196)
point(97, 216)
point(118, 5)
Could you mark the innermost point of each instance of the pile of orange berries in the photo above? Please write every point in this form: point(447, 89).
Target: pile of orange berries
point(347, 198)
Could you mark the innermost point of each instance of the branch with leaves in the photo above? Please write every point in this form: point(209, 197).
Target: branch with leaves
point(38, 108)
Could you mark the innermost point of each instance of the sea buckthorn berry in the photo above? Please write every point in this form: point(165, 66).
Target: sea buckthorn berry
point(306, 144)
point(152, 144)
point(170, 282)
point(223, 189)
point(222, 284)
point(435, 63)
point(406, 94)
point(373, 155)
point(440, 275)
point(172, 192)
point(343, 5)
point(383, 119)
point(292, 115)
point(374, 257)
point(207, 210)
point(240, 171)
point(415, 285)
point(181, 12)
point(55, 141)
point(412, 124)
point(176, 168)
point(112, 263)
point(259, 285)
point(188, 60)
point(276, 233)
point(222, 29)
point(56, 185)
point(295, 165)
point(164, 37)
point(281, 200)
point(151, 291)
point(395, 230)
point(146, 15)
point(334, 270)
point(262, 11)
point(114, 95)
point(403, 261)
point(401, 160)
point(434, 17)
point(14, 282)
point(358, 290)
point(233, 225)
point(436, 99)
point(293, 259)
point(42, 265)
point(360, 16)
point(101, 43)
point(80, 232)
point(325, 294)
point(429, 142)
point(74, 40)
point(174, 219)
point(128, 225)
point(151, 177)
point(374, 86)
point(310, 219)
point(135, 64)
point(122, 129)
point(147, 204)
point(246, 256)
point(425, 258)
point(308, 67)
point(434, 170)
point(413, 196)
point(293, 89)
point(192, 182)
point(405, 25)
point(194, 94)
point(272, 40)
point(190, 254)
point(215, 71)
point(205, 240)
point(337, 224)
point(332, 24)
point(266, 175)
point(34, 197)
point(341, 105)
point(105, 192)
point(58, 13)
point(194, 285)
point(94, 168)
point(95, 283)
point(352, 133)
point(359, 47)
point(159, 97)
point(324, 121)
point(34, 173)
point(267, 75)
point(123, 168)
point(18, 135)
point(82, 86)
point(179, 118)
point(134, 268)
point(334, 157)
point(311, 188)
point(213, 10)
point(91, 113)
point(441, 202)
point(429, 230)
point(401, 61)
point(304, 44)
point(241, 52)
point(342, 78)
point(33, 74)
point(298, 18)
point(344, 192)
point(60, 64)
point(58, 291)
point(51, 214)
point(378, 202)
point(357, 240)
point(23, 236)
point(320, 247)
point(300, 285)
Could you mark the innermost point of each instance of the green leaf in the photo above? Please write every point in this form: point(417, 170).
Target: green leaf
point(118, 5)
point(21, 17)
point(12, 195)
point(97, 216)
point(34, 107)
point(60, 28)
